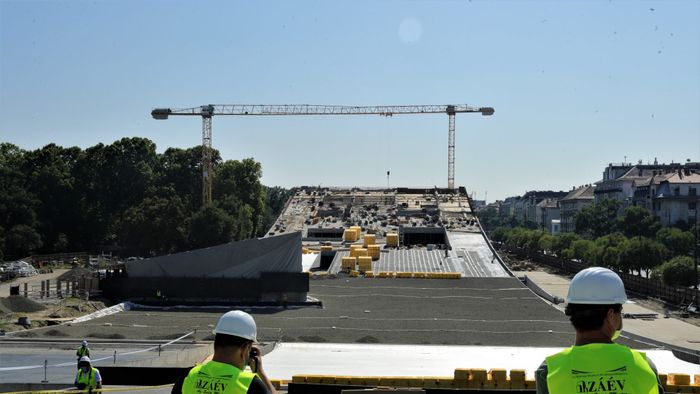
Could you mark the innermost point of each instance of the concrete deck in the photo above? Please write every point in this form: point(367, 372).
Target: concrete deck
point(289, 359)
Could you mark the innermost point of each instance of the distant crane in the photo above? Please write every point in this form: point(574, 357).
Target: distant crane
point(207, 111)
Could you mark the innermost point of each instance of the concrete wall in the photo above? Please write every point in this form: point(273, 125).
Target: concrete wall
point(207, 290)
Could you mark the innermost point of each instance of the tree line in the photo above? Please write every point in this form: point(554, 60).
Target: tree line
point(127, 198)
point(633, 242)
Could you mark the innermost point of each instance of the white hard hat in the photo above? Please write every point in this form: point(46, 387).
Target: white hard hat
point(84, 359)
point(84, 343)
point(237, 323)
point(597, 286)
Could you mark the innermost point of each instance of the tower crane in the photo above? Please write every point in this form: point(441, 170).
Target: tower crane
point(208, 111)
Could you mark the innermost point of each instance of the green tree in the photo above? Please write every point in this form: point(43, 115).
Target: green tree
point(21, 240)
point(181, 171)
point(155, 226)
point(563, 241)
point(241, 179)
point(499, 234)
point(61, 243)
point(598, 219)
point(678, 243)
point(241, 213)
point(546, 242)
point(638, 222)
point(642, 254)
point(679, 271)
point(210, 226)
point(583, 250)
point(49, 175)
point(2, 244)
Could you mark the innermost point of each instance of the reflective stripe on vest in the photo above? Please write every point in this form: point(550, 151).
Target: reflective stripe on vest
point(83, 351)
point(217, 378)
point(600, 368)
point(87, 378)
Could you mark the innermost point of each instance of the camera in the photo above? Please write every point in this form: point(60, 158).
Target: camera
point(253, 359)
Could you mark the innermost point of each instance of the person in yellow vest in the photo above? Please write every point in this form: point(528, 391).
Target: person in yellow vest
point(235, 337)
point(87, 378)
point(83, 350)
point(596, 364)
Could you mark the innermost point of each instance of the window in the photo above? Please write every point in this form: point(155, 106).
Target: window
point(692, 191)
point(692, 205)
point(677, 191)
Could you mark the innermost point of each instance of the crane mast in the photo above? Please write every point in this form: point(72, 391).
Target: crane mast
point(207, 111)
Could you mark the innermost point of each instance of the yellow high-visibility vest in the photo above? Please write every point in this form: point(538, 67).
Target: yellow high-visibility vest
point(217, 378)
point(600, 368)
point(88, 379)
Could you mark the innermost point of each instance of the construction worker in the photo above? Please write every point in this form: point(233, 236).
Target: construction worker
point(234, 349)
point(83, 350)
point(596, 363)
point(87, 378)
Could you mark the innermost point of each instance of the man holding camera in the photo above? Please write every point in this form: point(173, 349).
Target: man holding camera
point(596, 363)
point(234, 349)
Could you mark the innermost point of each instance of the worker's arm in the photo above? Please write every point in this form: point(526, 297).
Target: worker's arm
point(257, 367)
point(541, 379)
point(98, 379)
point(658, 380)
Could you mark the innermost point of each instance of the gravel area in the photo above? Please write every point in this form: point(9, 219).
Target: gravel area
point(472, 311)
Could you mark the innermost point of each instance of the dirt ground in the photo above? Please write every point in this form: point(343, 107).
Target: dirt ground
point(657, 305)
point(42, 313)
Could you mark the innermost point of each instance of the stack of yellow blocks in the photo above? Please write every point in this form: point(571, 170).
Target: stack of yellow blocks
point(348, 263)
point(364, 263)
point(358, 251)
point(374, 251)
point(350, 235)
point(392, 239)
point(369, 239)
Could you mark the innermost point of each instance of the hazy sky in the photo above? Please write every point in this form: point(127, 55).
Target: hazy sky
point(575, 85)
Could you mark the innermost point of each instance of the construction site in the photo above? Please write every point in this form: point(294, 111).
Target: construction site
point(351, 288)
point(364, 288)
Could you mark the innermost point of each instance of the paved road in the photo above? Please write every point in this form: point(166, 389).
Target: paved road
point(672, 331)
point(61, 362)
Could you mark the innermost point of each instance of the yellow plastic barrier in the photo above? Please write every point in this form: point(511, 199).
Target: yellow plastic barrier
point(678, 379)
point(369, 239)
point(478, 378)
point(299, 379)
point(392, 239)
point(475, 378)
point(517, 378)
point(369, 274)
point(326, 248)
point(461, 378)
point(354, 274)
point(419, 275)
point(385, 275)
point(404, 274)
